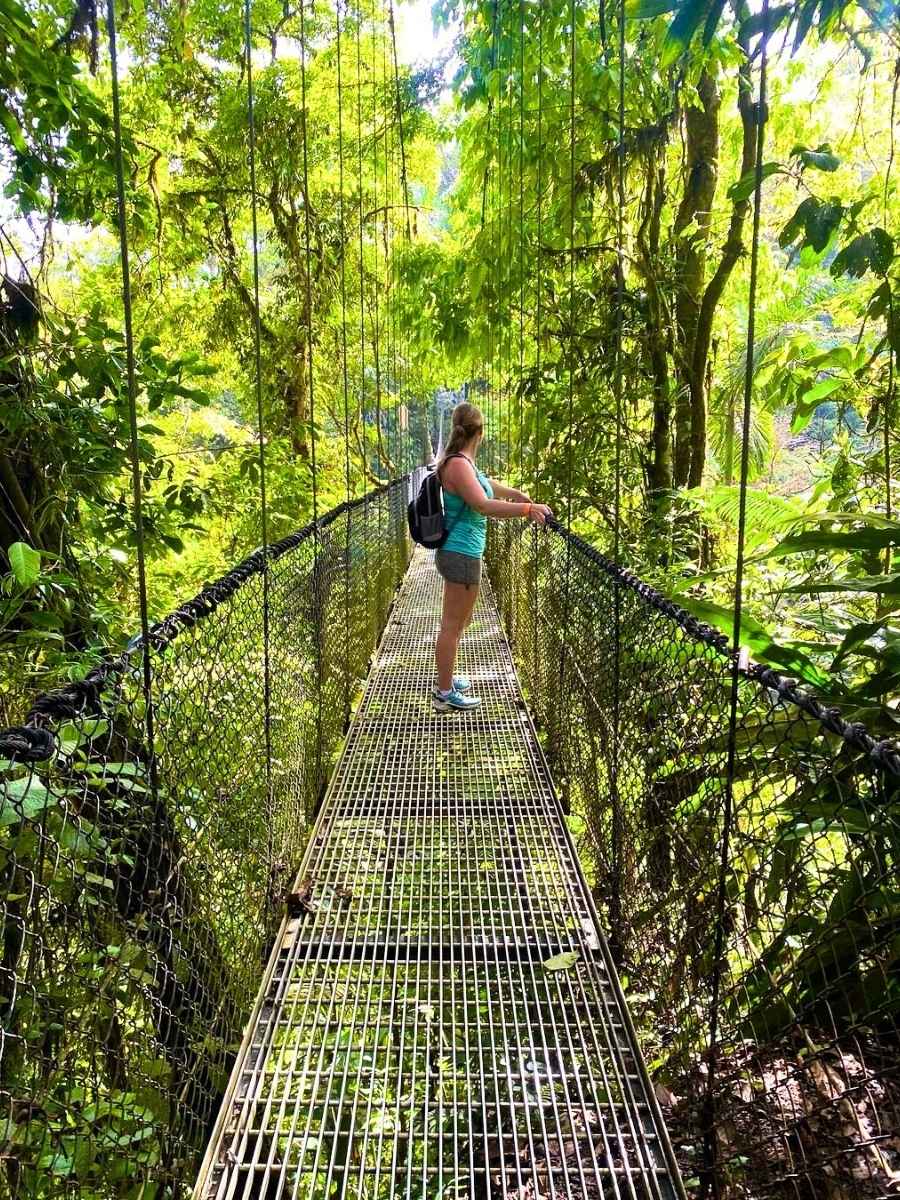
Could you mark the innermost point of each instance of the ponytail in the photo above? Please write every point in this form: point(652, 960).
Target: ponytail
point(467, 423)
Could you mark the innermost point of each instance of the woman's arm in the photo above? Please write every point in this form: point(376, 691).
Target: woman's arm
point(502, 492)
point(463, 482)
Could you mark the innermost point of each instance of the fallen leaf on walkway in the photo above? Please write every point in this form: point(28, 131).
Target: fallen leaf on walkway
point(561, 962)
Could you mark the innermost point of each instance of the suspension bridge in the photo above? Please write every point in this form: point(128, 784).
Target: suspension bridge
point(441, 1008)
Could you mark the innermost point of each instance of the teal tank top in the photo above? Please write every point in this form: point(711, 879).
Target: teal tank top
point(468, 528)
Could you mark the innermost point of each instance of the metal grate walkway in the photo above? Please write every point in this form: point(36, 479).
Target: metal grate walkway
point(408, 1040)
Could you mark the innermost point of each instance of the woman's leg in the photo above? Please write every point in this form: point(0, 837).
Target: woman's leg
point(459, 601)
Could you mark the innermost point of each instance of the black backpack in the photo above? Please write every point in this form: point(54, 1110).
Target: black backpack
point(425, 514)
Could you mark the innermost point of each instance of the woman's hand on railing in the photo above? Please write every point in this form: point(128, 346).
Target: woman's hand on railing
point(539, 513)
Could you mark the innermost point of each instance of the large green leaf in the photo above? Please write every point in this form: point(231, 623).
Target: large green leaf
point(25, 563)
point(645, 10)
point(21, 798)
point(868, 251)
point(758, 640)
point(814, 222)
point(887, 585)
point(744, 188)
point(822, 158)
point(689, 16)
point(807, 540)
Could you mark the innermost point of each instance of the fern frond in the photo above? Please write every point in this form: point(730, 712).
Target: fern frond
point(766, 513)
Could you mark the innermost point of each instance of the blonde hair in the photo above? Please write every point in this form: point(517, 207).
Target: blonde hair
point(467, 423)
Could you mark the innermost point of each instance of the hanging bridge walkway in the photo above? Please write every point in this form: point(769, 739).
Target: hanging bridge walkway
point(439, 1016)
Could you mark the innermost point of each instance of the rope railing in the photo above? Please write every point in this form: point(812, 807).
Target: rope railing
point(806, 1095)
point(137, 919)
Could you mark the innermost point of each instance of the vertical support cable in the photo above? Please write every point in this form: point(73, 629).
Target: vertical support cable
point(257, 368)
point(538, 395)
point(344, 374)
point(376, 311)
point(494, 202)
point(317, 547)
point(496, 236)
point(371, 628)
point(520, 406)
point(134, 455)
point(888, 410)
point(570, 422)
point(710, 1180)
point(399, 104)
point(617, 936)
point(403, 383)
point(537, 689)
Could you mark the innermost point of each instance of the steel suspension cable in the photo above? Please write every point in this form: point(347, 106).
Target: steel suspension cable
point(313, 441)
point(508, 324)
point(571, 397)
point(260, 419)
point(376, 309)
point(345, 380)
point(615, 898)
point(487, 203)
point(711, 1180)
point(519, 406)
point(538, 395)
point(361, 187)
point(404, 416)
point(389, 258)
point(570, 413)
point(134, 454)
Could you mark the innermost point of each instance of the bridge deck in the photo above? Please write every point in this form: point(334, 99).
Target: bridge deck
point(409, 1039)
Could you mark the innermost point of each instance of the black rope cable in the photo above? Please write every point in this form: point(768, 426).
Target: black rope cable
point(710, 1145)
point(313, 441)
point(136, 483)
point(345, 379)
point(257, 367)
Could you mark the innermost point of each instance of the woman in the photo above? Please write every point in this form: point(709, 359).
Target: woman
point(469, 499)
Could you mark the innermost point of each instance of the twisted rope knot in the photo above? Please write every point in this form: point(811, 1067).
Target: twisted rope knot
point(887, 752)
point(831, 718)
point(72, 701)
point(855, 731)
point(27, 743)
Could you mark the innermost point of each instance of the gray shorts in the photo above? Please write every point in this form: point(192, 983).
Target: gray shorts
point(458, 568)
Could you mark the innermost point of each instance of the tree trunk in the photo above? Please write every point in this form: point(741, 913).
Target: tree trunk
point(731, 253)
point(701, 169)
point(296, 398)
point(659, 471)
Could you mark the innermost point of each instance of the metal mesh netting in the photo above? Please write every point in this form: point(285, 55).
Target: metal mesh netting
point(805, 1099)
point(141, 892)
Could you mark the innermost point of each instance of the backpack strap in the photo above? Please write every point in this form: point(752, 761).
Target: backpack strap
point(456, 454)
